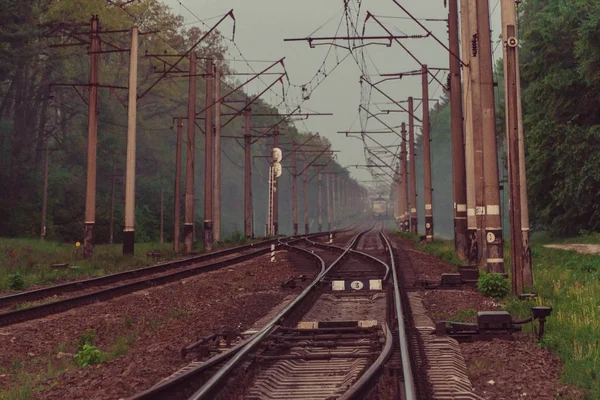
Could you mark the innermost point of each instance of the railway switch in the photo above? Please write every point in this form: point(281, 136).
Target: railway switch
point(492, 325)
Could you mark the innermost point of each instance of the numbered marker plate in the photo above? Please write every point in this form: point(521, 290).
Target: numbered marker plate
point(356, 285)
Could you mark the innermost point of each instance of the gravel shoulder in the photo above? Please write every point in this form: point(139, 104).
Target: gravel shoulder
point(499, 370)
point(143, 332)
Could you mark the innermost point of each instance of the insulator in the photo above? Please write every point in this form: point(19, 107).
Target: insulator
point(448, 83)
point(475, 45)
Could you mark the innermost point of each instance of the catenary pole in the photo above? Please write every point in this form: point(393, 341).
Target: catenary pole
point(188, 227)
point(247, 174)
point(493, 222)
point(458, 151)
point(512, 119)
point(413, 167)
point(92, 145)
point(428, 195)
point(129, 228)
point(177, 189)
point(294, 189)
point(208, 157)
point(217, 159)
point(467, 56)
point(509, 17)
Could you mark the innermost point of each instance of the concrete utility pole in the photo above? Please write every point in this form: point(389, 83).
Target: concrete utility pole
point(427, 156)
point(111, 223)
point(333, 203)
point(493, 222)
point(329, 200)
point(397, 198)
point(208, 158)
point(413, 167)
point(177, 188)
point(305, 196)
point(294, 189)
point(320, 203)
point(45, 193)
point(466, 37)
point(162, 216)
point(336, 200)
point(90, 190)
point(247, 175)
point(478, 245)
point(129, 229)
point(275, 188)
point(217, 160)
point(461, 243)
point(405, 194)
point(188, 227)
point(509, 17)
point(512, 119)
point(405, 206)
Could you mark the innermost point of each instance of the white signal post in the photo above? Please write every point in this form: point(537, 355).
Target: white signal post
point(275, 171)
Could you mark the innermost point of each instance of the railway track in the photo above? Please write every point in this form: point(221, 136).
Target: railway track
point(63, 297)
point(330, 342)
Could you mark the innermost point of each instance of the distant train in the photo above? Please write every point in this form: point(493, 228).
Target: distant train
point(380, 208)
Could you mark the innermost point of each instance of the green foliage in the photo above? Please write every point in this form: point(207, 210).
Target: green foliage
point(466, 315)
point(16, 281)
point(32, 259)
point(28, 30)
point(443, 249)
point(493, 285)
point(569, 283)
point(560, 65)
point(88, 355)
point(87, 338)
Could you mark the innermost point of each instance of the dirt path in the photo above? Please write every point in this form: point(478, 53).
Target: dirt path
point(580, 248)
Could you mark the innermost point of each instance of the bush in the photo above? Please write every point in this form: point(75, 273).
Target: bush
point(493, 285)
point(87, 338)
point(16, 281)
point(88, 355)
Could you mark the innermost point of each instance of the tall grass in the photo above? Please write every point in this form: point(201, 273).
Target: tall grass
point(570, 283)
point(443, 249)
point(33, 259)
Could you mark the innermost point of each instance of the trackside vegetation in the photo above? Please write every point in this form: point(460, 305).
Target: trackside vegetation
point(569, 282)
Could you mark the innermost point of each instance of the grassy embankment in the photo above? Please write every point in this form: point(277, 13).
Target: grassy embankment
point(32, 259)
point(570, 283)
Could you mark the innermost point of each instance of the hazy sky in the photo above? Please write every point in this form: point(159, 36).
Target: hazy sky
point(263, 24)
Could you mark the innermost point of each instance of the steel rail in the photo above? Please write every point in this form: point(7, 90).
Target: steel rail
point(75, 286)
point(55, 307)
point(409, 383)
point(213, 383)
point(238, 352)
point(120, 276)
point(360, 388)
point(356, 252)
point(44, 310)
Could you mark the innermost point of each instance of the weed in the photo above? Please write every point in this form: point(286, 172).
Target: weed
point(493, 285)
point(87, 338)
point(177, 313)
point(16, 281)
point(466, 315)
point(119, 348)
point(88, 355)
point(128, 322)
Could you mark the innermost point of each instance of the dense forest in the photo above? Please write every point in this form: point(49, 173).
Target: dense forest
point(34, 111)
point(560, 76)
point(560, 53)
